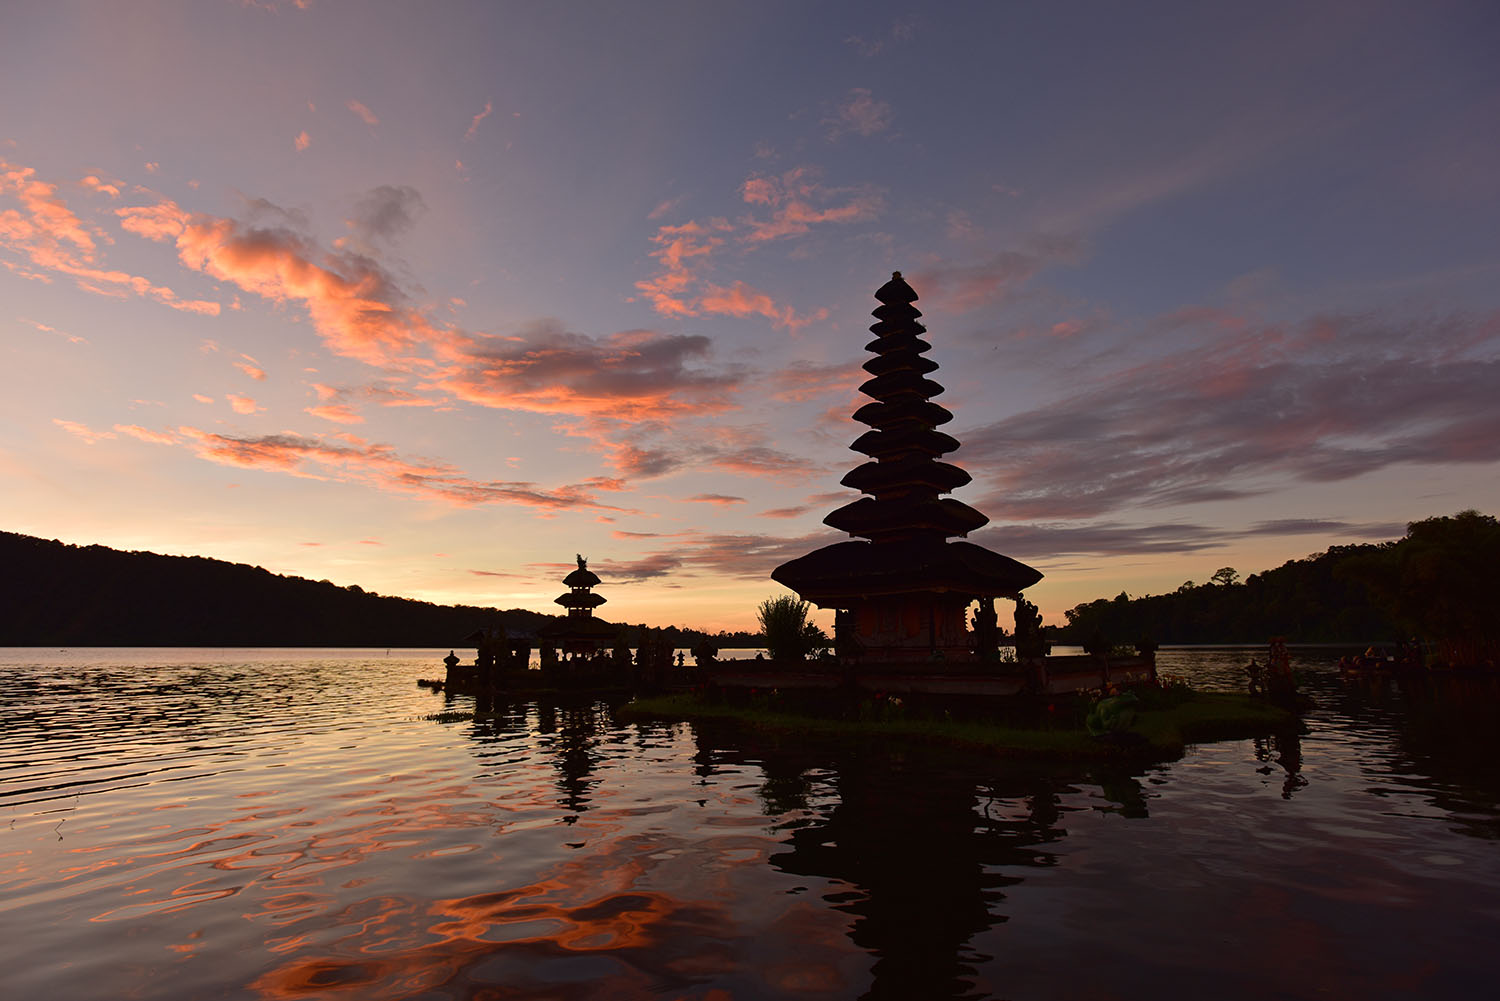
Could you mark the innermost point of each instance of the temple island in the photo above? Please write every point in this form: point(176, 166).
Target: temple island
point(577, 653)
point(902, 587)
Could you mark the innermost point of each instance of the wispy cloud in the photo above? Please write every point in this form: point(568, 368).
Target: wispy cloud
point(474, 125)
point(794, 202)
point(1047, 539)
point(861, 114)
point(83, 431)
point(54, 240)
point(146, 434)
point(243, 404)
point(302, 141)
point(337, 412)
point(364, 113)
point(962, 287)
point(720, 500)
point(633, 375)
point(353, 459)
point(1251, 411)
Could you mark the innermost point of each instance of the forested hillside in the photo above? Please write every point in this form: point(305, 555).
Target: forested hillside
point(1439, 584)
point(57, 594)
point(54, 594)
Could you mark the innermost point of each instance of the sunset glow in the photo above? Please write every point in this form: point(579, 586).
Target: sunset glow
point(428, 300)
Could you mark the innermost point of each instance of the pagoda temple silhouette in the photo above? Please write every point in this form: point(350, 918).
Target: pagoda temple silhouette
point(580, 634)
point(902, 592)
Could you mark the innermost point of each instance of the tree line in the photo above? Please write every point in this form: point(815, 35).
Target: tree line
point(55, 594)
point(1439, 584)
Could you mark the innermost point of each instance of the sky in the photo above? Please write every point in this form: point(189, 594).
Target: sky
point(429, 298)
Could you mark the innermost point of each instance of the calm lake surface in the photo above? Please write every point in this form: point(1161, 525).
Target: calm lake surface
point(305, 823)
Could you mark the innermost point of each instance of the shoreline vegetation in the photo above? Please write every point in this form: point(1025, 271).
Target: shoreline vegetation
point(1158, 731)
point(1436, 584)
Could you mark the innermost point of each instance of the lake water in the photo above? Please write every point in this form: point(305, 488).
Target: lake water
point(298, 823)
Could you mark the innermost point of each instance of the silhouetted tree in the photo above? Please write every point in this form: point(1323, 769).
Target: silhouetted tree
point(788, 633)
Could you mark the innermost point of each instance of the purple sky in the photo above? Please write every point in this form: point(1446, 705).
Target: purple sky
point(429, 298)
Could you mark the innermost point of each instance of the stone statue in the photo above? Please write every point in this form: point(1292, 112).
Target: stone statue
point(1030, 644)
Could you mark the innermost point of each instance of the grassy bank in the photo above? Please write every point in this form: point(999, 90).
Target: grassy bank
point(1155, 733)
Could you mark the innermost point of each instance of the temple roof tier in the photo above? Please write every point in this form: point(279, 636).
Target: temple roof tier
point(580, 599)
point(894, 415)
point(899, 517)
point(846, 573)
point(906, 472)
point(904, 383)
point(582, 577)
point(897, 322)
point(893, 444)
point(897, 344)
point(885, 364)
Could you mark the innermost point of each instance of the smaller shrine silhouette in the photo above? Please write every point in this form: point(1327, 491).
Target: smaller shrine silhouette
point(579, 636)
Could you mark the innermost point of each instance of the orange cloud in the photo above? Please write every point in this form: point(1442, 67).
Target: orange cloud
point(379, 466)
point(354, 304)
point(254, 372)
point(54, 239)
point(684, 252)
point(146, 434)
point(721, 500)
point(93, 183)
point(742, 300)
point(302, 141)
point(339, 413)
point(243, 404)
point(83, 431)
point(203, 399)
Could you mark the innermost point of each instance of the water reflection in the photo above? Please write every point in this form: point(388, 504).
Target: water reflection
point(920, 845)
point(290, 827)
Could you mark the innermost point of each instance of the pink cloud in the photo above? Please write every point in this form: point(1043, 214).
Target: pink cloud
point(664, 207)
point(338, 413)
point(1326, 400)
point(379, 466)
point(861, 114)
point(803, 380)
point(302, 141)
point(54, 239)
point(365, 114)
point(82, 431)
point(785, 512)
point(634, 375)
point(145, 434)
point(44, 328)
point(254, 372)
point(965, 287)
point(742, 300)
point(354, 304)
point(93, 183)
point(203, 399)
point(720, 500)
point(474, 125)
point(793, 196)
point(243, 404)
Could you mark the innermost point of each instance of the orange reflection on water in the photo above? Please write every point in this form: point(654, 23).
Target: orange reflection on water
point(527, 938)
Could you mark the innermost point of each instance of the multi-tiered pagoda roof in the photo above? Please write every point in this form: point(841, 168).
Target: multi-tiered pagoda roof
point(580, 599)
point(905, 524)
